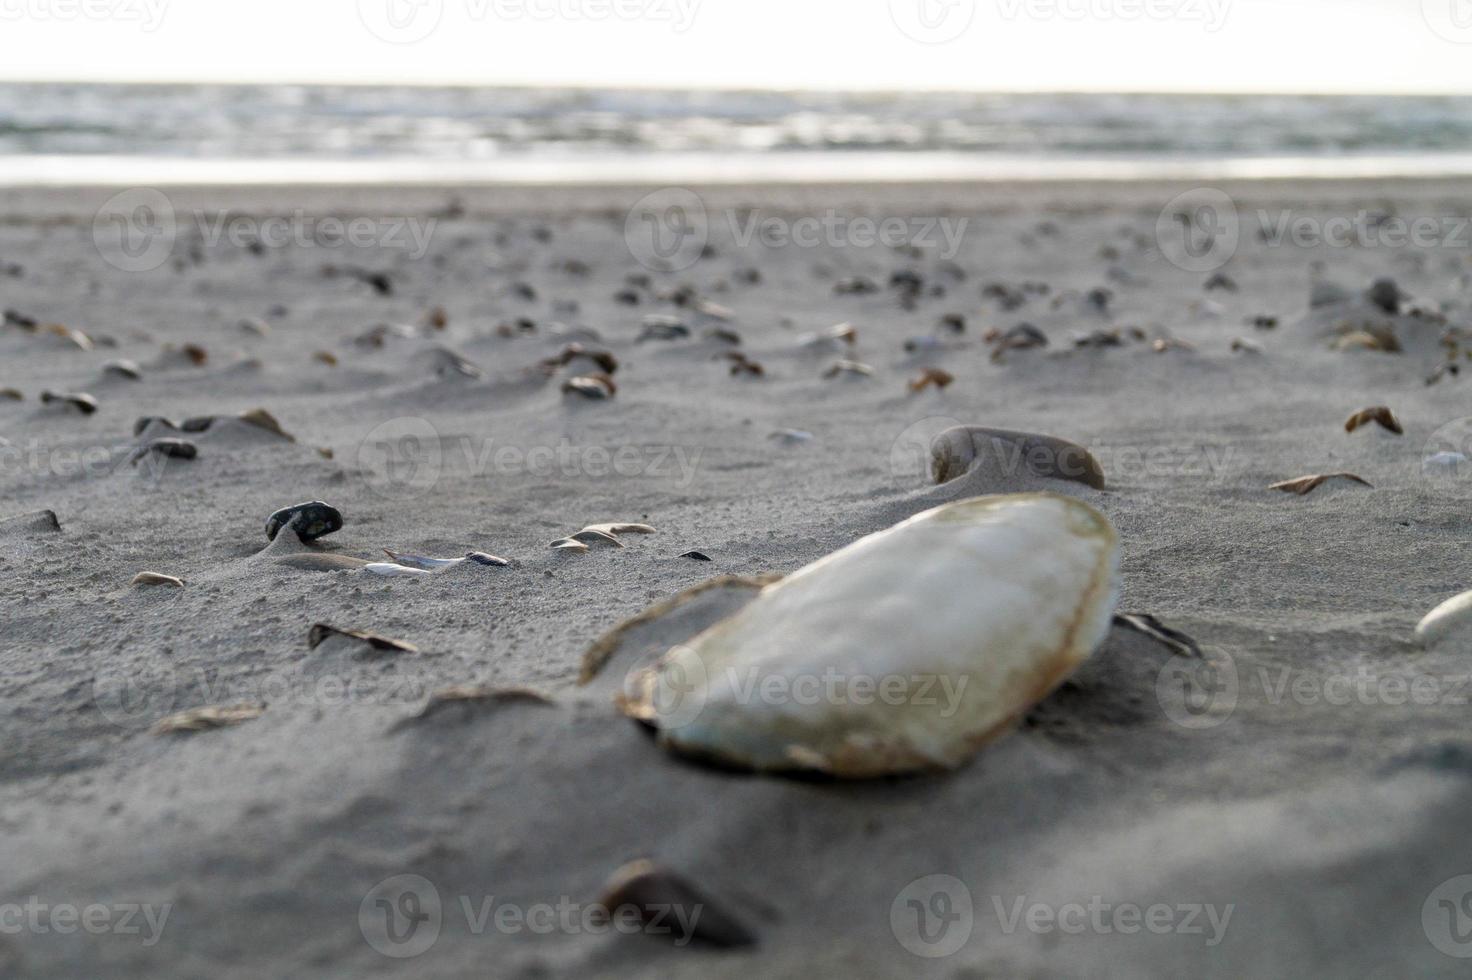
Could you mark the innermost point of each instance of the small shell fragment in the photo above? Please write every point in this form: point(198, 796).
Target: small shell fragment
point(475, 696)
point(1243, 345)
point(440, 564)
point(852, 369)
point(11, 394)
point(1380, 415)
point(321, 633)
point(593, 535)
point(1304, 485)
point(156, 578)
point(932, 376)
point(127, 370)
point(597, 386)
point(167, 447)
point(568, 544)
point(1147, 625)
point(207, 719)
point(80, 401)
point(394, 570)
point(669, 906)
point(1451, 618)
point(621, 529)
point(660, 326)
point(959, 450)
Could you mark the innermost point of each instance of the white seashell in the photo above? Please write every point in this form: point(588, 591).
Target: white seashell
point(923, 642)
point(616, 529)
point(390, 570)
point(1451, 617)
point(440, 564)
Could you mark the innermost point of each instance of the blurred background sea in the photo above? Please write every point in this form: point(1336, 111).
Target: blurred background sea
point(54, 133)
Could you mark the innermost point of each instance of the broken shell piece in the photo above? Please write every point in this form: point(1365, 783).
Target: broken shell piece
point(70, 337)
point(964, 448)
point(1162, 344)
point(843, 333)
point(743, 366)
point(1001, 599)
point(168, 447)
point(1367, 340)
point(440, 564)
point(723, 335)
point(1451, 619)
point(207, 719)
point(1304, 485)
point(393, 570)
point(657, 897)
point(593, 535)
point(568, 544)
point(1380, 415)
point(932, 376)
point(696, 556)
point(126, 370)
point(1024, 336)
point(256, 327)
point(621, 529)
point(1241, 345)
point(262, 419)
point(476, 696)
point(155, 578)
point(325, 357)
point(605, 360)
point(321, 632)
point(714, 310)
point(661, 326)
point(11, 394)
point(448, 364)
point(852, 369)
point(81, 401)
point(597, 386)
point(1147, 625)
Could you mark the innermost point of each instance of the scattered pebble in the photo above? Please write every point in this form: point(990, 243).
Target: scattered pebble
point(310, 521)
point(167, 447)
point(81, 401)
point(657, 897)
point(932, 377)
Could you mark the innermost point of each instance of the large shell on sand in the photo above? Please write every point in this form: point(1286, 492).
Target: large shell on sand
point(904, 652)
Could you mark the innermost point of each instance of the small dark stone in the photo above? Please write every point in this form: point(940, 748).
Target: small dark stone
point(313, 520)
point(1386, 295)
point(696, 556)
point(649, 892)
point(148, 420)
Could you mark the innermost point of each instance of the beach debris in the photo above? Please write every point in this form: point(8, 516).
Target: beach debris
point(449, 364)
point(855, 286)
point(953, 322)
point(696, 556)
point(848, 369)
point(964, 448)
point(842, 334)
point(670, 906)
point(1304, 485)
point(1371, 338)
point(1021, 337)
point(723, 335)
point(66, 335)
point(440, 564)
point(157, 578)
point(11, 394)
point(932, 377)
point(1264, 322)
point(207, 719)
point(620, 528)
point(596, 386)
point(1001, 599)
point(322, 632)
point(1147, 625)
point(605, 360)
point(791, 437)
point(568, 544)
point(325, 357)
point(388, 569)
point(125, 369)
point(474, 697)
point(1386, 295)
point(166, 447)
point(1445, 463)
point(715, 311)
point(1099, 339)
point(1242, 345)
point(662, 326)
point(1162, 344)
point(81, 401)
point(311, 520)
point(1442, 371)
point(1380, 415)
point(255, 326)
point(44, 521)
point(741, 365)
point(1450, 619)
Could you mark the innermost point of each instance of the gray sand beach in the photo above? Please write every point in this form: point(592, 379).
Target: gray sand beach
point(1289, 804)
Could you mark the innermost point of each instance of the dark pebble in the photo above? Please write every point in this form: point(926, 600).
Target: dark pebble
point(313, 520)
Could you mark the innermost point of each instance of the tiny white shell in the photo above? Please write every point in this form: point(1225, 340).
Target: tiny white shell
point(1451, 617)
point(391, 570)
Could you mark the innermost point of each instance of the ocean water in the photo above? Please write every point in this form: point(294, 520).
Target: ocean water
point(61, 133)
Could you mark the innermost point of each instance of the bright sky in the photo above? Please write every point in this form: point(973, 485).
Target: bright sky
point(1132, 45)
